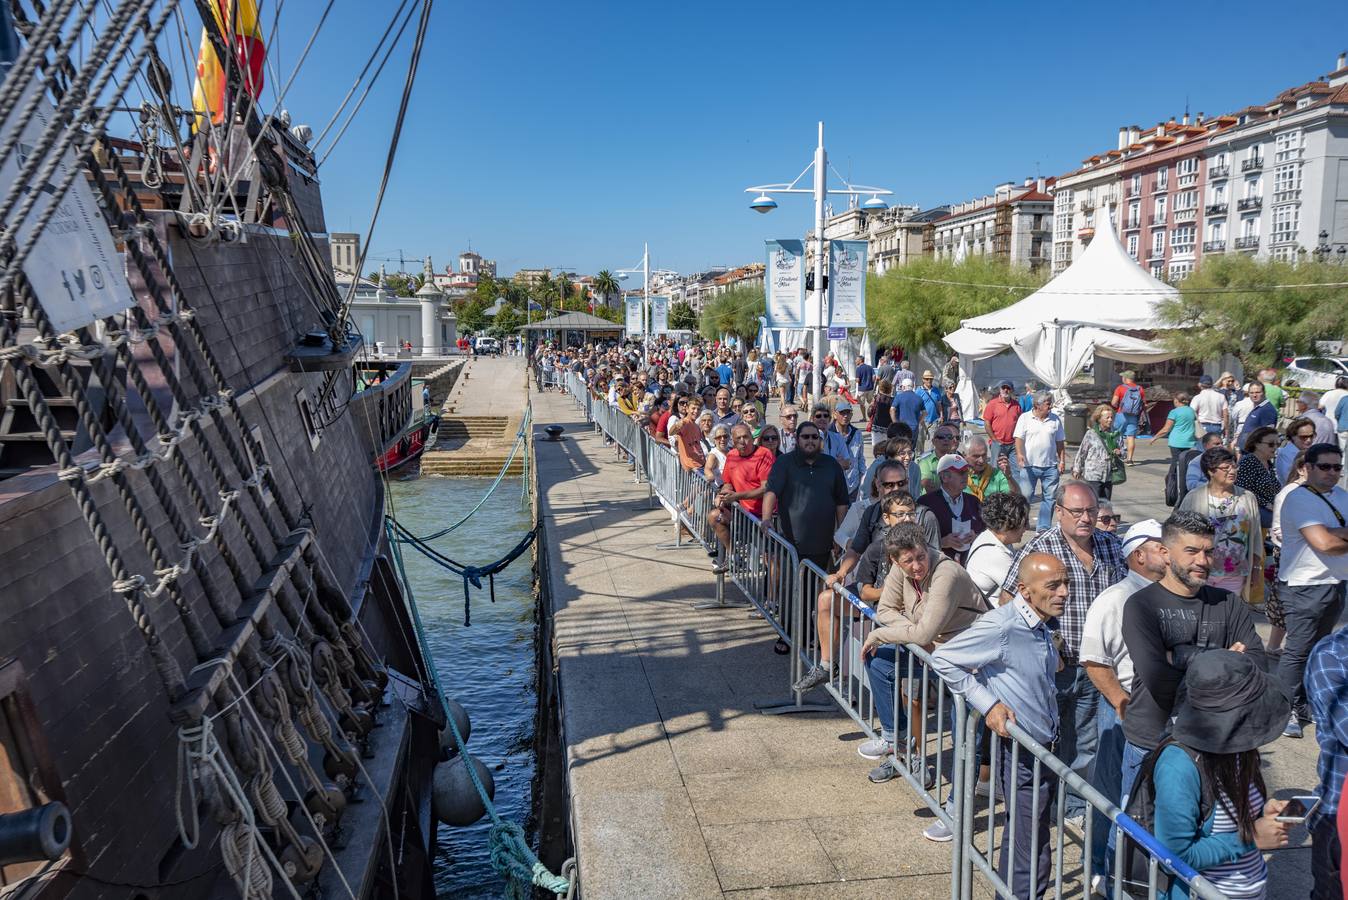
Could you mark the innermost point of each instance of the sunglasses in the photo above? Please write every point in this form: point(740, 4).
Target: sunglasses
point(1329, 467)
point(893, 484)
point(771, 437)
point(944, 437)
point(808, 437)
point(1110, 520)
point(789, 416)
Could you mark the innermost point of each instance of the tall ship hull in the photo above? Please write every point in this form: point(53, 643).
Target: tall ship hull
point(211, 683)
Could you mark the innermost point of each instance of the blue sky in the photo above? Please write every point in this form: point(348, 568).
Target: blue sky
point(565, 134)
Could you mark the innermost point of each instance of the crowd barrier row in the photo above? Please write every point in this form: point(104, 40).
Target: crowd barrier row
point(940, 745)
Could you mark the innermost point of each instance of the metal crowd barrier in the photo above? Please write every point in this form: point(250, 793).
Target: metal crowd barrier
point(937, 747)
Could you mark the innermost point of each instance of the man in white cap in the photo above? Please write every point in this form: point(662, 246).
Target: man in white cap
point(855, 440)
point(1105, 658)
point(958, 513)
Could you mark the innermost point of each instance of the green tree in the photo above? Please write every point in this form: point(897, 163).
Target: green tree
point(470, 316)
point(1254, 309)
point(488, 289)
point(506, 322)
point(611, 313)
point(733, 313)
point(682, 317)
point(918, 304)
point(403, 285)
point(605, 286)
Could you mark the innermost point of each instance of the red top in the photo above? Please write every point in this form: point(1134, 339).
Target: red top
point(1119, 391)
point(691, 435)
point(747, 473)
point(1000, 416)
point(662, 426)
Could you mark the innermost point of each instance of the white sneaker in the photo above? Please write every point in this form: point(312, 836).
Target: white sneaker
point(938, 832)
point(876, 748)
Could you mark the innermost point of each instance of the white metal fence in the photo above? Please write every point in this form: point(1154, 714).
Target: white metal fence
point(942, 744)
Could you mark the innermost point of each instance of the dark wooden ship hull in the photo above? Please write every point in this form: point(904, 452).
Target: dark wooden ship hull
point(85, 710)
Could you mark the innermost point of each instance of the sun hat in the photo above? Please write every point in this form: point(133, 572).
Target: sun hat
point(951, 461)
point(927, 374)
point(1229, 705)
point(1139, 534)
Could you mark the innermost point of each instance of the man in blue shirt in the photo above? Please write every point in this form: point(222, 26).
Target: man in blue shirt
point(725, 373)
point(907, 407)
point(1261, 413)
point(934, 404)
point(865, 386)
point(1327, 694)
point(1004, 664)
point(1027, 398)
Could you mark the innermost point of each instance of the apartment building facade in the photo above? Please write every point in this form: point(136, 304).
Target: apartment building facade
point(1014, 223)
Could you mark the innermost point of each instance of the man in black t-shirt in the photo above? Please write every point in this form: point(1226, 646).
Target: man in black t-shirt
point(1166, 625)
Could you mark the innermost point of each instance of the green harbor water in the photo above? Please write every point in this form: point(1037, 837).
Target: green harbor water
point(488, 666)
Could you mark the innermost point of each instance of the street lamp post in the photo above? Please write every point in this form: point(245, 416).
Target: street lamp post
point(764, 203)
point(645, 269)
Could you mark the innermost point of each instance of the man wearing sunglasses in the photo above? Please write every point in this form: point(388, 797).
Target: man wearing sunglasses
point(1314, 566)
point(807, 491)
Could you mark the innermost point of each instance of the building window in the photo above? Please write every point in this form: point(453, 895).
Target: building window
point(1187, 166)
point(1186, 200)
point(1158, 242)
point(1134, 214)
point(1132, 246)
point(1135, 185)
point(1286, 178)
point(1158, 270)
point(1287, 146)
point(1158, 211)
point(1253, 187)
point(1220, 160)
point(1182, 239)
point(1249, 227)
point(1218, 193)
point(1162, 179)
point(1217, 232)
point(1286, 220)
point(1180, 271)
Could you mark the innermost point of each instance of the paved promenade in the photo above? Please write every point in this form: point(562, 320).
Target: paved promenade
point(679, 786)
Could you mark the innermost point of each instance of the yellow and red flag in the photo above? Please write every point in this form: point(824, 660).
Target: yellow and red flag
point(238, 21)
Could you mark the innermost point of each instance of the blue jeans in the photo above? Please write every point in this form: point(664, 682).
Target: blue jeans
point(1047, 479)
point(881, 669)
point(1133, 755)
point(1078, 729)
point(1107, 778)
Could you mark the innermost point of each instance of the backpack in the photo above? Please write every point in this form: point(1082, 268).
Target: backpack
point(1141, 808)
point(1132, 400)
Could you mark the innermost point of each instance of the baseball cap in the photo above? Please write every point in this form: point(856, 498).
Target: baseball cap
point(1205, 381)
point(1139, 534)
point(1005, 382)
point(951, 461)
point(842, 406)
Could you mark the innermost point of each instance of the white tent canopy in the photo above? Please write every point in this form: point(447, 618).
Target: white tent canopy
point(1059, 328)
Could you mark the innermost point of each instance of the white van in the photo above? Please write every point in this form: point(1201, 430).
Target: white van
point(487, 346)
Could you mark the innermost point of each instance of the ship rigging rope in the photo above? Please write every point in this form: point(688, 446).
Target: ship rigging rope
point(393, 20)
point(500, 476)
point(511, 855)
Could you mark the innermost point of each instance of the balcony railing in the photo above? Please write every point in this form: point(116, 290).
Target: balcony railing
point(1250, 242)
point(1133, 224)
point(1253, 164)
point(1214, 246)
point(1287, 196)
point(1183, 216)
point(1250, 203)
point(1216, 209)
point(1161, 187)
point(1218, 172)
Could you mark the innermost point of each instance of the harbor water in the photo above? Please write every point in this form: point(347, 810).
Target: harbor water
point(489, 666)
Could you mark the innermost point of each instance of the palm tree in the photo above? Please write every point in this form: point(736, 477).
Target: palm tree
point(543, 291)
point(605, 285)
point(564, 288)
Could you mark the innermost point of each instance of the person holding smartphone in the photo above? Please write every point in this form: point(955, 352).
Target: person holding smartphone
point(1230, 709)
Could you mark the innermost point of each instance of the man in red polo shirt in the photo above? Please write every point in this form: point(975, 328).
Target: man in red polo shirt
point(745, 474)
point(999, 420)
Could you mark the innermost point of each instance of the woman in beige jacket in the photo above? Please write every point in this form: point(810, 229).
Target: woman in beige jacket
point(1238, 545)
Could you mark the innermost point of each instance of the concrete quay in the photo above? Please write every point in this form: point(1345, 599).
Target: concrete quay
point(678, 786)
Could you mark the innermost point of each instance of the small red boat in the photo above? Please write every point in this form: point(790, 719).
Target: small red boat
point(415, 438)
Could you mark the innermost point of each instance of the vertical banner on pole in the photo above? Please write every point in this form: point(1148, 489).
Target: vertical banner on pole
point(847, 286)
point(633, 316)
point(784, 283)
point(659, 315)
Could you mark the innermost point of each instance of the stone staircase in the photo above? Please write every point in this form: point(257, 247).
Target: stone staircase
point(465, 428)
point(475, 466)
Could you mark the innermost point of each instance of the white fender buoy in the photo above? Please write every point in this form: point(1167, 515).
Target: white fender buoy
point(454, 709)
point(453, 798)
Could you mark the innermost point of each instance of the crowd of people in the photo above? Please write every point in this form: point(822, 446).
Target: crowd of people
point(1132, 655)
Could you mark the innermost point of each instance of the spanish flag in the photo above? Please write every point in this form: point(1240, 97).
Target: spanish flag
point(238, 21)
